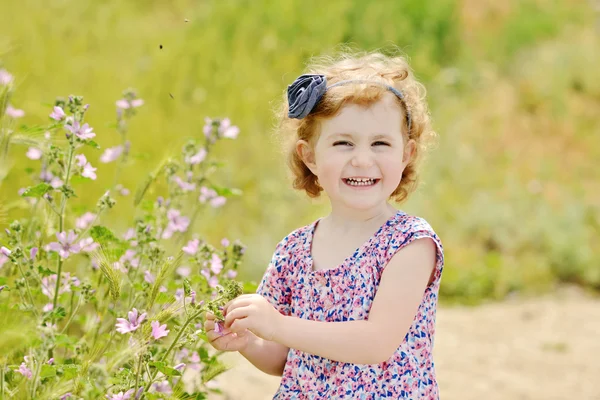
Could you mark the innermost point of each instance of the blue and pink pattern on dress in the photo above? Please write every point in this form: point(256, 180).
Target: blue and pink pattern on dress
point(346, 293)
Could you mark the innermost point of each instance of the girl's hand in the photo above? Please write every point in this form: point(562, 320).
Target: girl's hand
point(223, 339)
point(254, 313)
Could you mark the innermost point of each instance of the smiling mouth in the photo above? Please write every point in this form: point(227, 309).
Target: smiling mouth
point(360, 182)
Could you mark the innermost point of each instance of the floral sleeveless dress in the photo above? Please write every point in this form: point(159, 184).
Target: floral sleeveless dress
point(346, 293)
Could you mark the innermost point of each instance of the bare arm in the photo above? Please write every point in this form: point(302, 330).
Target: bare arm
point(269, 357)
point(400, 291)
point(372, 341)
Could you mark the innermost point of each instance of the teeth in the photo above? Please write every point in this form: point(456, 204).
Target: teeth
point(360, 181)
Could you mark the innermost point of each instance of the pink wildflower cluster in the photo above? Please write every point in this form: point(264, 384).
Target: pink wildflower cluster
point(132, 323)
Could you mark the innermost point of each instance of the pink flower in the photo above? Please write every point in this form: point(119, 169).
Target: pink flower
point(218, 201)
point(224, 242)
point(58, 114)
point(179, 367)
point(88, 245)
point(130, 257)
point(196, 158)
point(192, 247)
point(219, 328)
point(49, 286)
point(121, 395)
point(231, 274)
point(48, 177)
point(130, 325)
point(210, 195)
point(148, 277)
point(65, 245)
point(23, 370)
point(179, 294)
point(33, 252)
point(3, 259)
point(177, 223)
point(5, 77)
point(195, 361)
point(125, 104)
point(88, 171)
point(184, 271)
point(213, 282)
point(34, 153)
point(85, 220)
point(208, 127)
point(162, 387)
point(81, 160)
point(226, 130)
point(216, 265)
point(111, 154)
point(129, 234)
point(83, 132)
point(158, 330)
point(14, 112)
point(185, 186)
point(5, 251)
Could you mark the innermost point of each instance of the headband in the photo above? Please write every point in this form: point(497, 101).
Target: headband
point(308, 89)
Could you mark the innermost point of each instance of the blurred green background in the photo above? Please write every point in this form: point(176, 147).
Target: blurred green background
point(512, 187)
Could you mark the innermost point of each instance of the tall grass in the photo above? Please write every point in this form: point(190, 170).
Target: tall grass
point(511, 187)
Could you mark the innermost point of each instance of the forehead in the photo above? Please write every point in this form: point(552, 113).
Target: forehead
point(382, 117)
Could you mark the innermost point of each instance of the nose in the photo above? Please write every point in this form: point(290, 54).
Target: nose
point(362, 158)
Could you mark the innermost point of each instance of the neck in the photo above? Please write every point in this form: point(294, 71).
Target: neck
point(344, 220)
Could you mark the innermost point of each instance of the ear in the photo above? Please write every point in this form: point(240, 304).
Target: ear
point(409, 151)
point(306, 154)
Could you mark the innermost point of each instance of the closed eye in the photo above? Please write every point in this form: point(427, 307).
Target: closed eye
point(379, 143)
point(342, 143)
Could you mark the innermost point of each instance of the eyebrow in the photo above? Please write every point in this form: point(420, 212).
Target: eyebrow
point(351, 136)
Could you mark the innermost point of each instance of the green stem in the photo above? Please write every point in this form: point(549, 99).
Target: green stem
point(61, 218)
point(137, 376)
point(2, 381)
point(72, 315)
point(28, 290)
point(164, 357)
point(35, 379)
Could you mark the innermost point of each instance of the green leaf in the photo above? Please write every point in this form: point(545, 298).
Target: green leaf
point(70, 370)
point(45, 271)
point(58, 313)
point(93, 144)
point(103, 235)
point(161, 366)
point(227, 192)
point(47, 371)
point(37, 190)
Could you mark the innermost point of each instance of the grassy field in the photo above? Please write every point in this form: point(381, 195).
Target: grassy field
point(512, 186)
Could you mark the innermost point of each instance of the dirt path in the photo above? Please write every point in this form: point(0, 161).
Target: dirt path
point(521, 349)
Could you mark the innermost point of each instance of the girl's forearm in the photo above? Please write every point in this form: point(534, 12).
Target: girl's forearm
point(269, 357)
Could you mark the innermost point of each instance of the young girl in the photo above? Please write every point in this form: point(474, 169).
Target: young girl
point(346, 309)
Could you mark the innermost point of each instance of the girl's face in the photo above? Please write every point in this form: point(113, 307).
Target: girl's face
point(360, 155)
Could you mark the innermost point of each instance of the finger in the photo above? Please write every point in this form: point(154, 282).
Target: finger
point(210, 315)
point(233, 342)
point(237, 313)
point(240, 325)
point(236, 303)
point(209, 324)
point(213, 336)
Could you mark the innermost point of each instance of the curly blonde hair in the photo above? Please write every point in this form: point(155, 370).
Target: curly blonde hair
point(374, 66)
